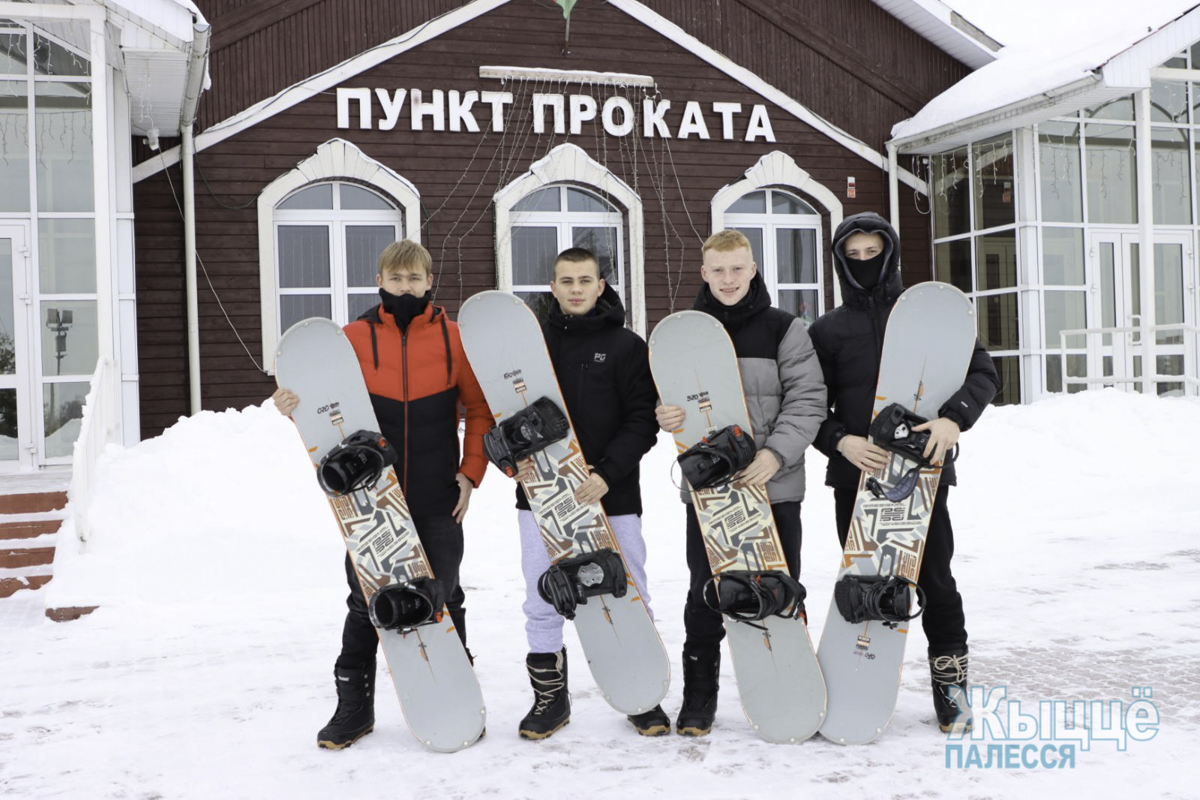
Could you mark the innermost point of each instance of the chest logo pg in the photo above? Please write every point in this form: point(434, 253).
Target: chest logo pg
point(599, 357)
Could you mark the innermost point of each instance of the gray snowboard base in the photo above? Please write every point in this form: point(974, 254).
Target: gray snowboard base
point(779, 680)
point(507, 351)
point(926, 351)
point(438, 691)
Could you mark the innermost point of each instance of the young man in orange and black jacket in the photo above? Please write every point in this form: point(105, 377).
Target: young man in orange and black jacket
point(417, 374)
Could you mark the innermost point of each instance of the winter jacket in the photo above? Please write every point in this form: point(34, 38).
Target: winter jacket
point(603, 370)
point(781, 378)
point(849, 342)
point(417, 378)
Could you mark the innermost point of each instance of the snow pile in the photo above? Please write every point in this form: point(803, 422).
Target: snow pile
point(206, 671)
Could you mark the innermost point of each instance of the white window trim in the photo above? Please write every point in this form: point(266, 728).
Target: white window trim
point(568, 163)
point(778, 169)
point(769, 223)
point(336, 159)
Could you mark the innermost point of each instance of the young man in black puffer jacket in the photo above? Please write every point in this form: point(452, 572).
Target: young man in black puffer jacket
point(603, 370)
point(849, 342)
point(785, 395)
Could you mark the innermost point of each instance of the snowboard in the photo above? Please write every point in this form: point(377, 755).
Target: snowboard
point(779, 681)
point(504, 343)
point(433, 677)
point(927, 349)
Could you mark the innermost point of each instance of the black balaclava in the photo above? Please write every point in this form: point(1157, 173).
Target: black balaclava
point(405, 307)
point(866, 272)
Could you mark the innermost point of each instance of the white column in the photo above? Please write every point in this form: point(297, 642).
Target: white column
point(102, 199)
point(1145, 202)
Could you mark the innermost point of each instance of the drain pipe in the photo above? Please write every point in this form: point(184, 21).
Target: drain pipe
point(197, 71)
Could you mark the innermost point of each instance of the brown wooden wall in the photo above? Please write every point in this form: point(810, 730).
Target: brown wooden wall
point(847, 60)
point(457, 174)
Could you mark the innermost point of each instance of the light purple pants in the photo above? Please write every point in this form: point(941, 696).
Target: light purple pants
point(544, 625)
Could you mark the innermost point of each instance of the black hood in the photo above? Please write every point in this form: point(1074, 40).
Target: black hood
point(890, 285)
point(608, 311)
point(734, 316)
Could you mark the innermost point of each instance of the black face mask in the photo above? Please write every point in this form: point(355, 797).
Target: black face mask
point(866, 272)
point(405, 307)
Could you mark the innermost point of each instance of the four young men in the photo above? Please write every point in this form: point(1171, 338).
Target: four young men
point(799, 391)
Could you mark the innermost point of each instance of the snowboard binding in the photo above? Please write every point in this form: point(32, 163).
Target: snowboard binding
point(404, 606)
point(716, 458)
point(529, 430)
point(892, 429)
point(569, 583)
point(355, 463)
point(862, 597)
point(750, 596)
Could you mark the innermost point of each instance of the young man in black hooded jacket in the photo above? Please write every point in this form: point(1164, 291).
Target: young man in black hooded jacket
point(849, 343)
point(603, 370)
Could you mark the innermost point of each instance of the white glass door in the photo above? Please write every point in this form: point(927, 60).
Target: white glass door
point(16, 438)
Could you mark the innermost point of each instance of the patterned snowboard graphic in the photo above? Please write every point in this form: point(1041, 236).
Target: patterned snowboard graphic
point(779, 680)
point(437, 688)
point(624, 652)
point(926, 350)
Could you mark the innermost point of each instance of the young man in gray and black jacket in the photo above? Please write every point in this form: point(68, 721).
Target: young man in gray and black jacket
point(785, 394)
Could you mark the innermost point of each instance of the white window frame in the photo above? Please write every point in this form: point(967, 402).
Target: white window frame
point(335, 160)
point(778, 170)
point(336, 221)
point(564, 222)
point(569, 164)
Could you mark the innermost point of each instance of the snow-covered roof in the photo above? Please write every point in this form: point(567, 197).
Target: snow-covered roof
point(1073, 58)
point(946, 28)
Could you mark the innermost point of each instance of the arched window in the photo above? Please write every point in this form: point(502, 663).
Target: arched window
point(785, 236)
point(328, 240)
point(546, 222)
point(321, 228)
point(567, 199)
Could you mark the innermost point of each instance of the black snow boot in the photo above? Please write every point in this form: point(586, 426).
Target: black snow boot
point(949, 673)
point(701, 670)
point(355, 714)
point(551, 703)
point(654, 722)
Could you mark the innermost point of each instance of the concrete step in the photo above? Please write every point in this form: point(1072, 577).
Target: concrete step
point(32, 502)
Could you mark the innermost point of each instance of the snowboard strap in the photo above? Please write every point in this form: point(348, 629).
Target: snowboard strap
point(569, 583)
point(749, 596)
point(892, 429)
point(404, 606)
point(874, 597)
point(355, 463)
point(717, 458)
point(531, 429)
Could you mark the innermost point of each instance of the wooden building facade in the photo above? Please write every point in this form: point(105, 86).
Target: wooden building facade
point(496, 134)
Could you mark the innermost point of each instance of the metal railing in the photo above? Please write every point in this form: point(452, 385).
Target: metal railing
point(1121, 346)
point(95, 431)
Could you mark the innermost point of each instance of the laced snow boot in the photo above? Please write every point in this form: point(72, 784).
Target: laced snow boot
point(654, 722)
point(949, 673)
point(701, 670)
point(355, 714)
point(551, 703)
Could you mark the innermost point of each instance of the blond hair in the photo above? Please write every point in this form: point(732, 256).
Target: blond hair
point(725, 241)
point(405, 255)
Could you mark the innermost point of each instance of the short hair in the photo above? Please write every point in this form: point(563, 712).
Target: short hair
point(405, 254)
point(727, 240)
point(576, 255)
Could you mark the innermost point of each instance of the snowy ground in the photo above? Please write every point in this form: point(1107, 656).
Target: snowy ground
point(206, 672)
